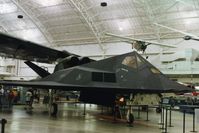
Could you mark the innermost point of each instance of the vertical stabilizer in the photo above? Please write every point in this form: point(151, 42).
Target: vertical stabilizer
point(40, 71)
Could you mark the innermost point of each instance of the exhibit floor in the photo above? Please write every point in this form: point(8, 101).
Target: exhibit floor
point(71, 120)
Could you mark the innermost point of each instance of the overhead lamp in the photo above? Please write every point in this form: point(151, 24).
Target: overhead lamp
point(120, 28)
point(46, 3)
point(20, 16)
point(103, 4)
point(121, 99)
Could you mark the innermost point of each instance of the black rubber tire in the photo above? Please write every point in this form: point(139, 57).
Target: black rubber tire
point(158, 110)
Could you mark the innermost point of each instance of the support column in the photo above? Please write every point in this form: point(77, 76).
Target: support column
point(84, 109)
point(138, 112)
point(170, 113)
point(183, 121)
point(193, 121)
point(147, 113)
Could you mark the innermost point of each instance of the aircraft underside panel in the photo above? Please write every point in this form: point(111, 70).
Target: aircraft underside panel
point(97, 97)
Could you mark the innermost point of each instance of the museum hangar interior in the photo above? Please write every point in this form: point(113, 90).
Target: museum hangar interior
point(99, 66)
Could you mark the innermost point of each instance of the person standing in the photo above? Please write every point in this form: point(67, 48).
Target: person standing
point(28, 99)
point(1, 95)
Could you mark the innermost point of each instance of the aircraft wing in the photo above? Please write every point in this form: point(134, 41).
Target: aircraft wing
point(95, 87)
point(54, 85)
point(37, 84)
point(140, 40)
point(21, 49)
point(182, 32)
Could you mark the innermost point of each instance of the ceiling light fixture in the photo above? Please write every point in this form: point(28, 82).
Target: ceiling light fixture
point(103, 4)
point(20, 16)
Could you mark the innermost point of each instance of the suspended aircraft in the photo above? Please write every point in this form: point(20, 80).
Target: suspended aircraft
point(98, 81)
point(139, 44)
point(188, 36)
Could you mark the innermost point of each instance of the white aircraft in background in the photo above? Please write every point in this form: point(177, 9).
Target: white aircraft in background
point(139, 44)
point(188, 36)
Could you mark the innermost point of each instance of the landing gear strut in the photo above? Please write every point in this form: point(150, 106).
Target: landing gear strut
point(53, 107)
point(131, 119)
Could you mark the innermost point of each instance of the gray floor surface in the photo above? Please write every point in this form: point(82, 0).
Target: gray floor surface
point(71, 120)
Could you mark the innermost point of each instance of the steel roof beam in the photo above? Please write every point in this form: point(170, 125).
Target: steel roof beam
point(33, 20)
point(83, 11)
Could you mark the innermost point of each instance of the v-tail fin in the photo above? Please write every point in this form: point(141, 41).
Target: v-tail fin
point(40, 71)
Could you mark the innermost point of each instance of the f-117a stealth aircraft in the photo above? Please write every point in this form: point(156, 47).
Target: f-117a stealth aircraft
point(97, 81)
